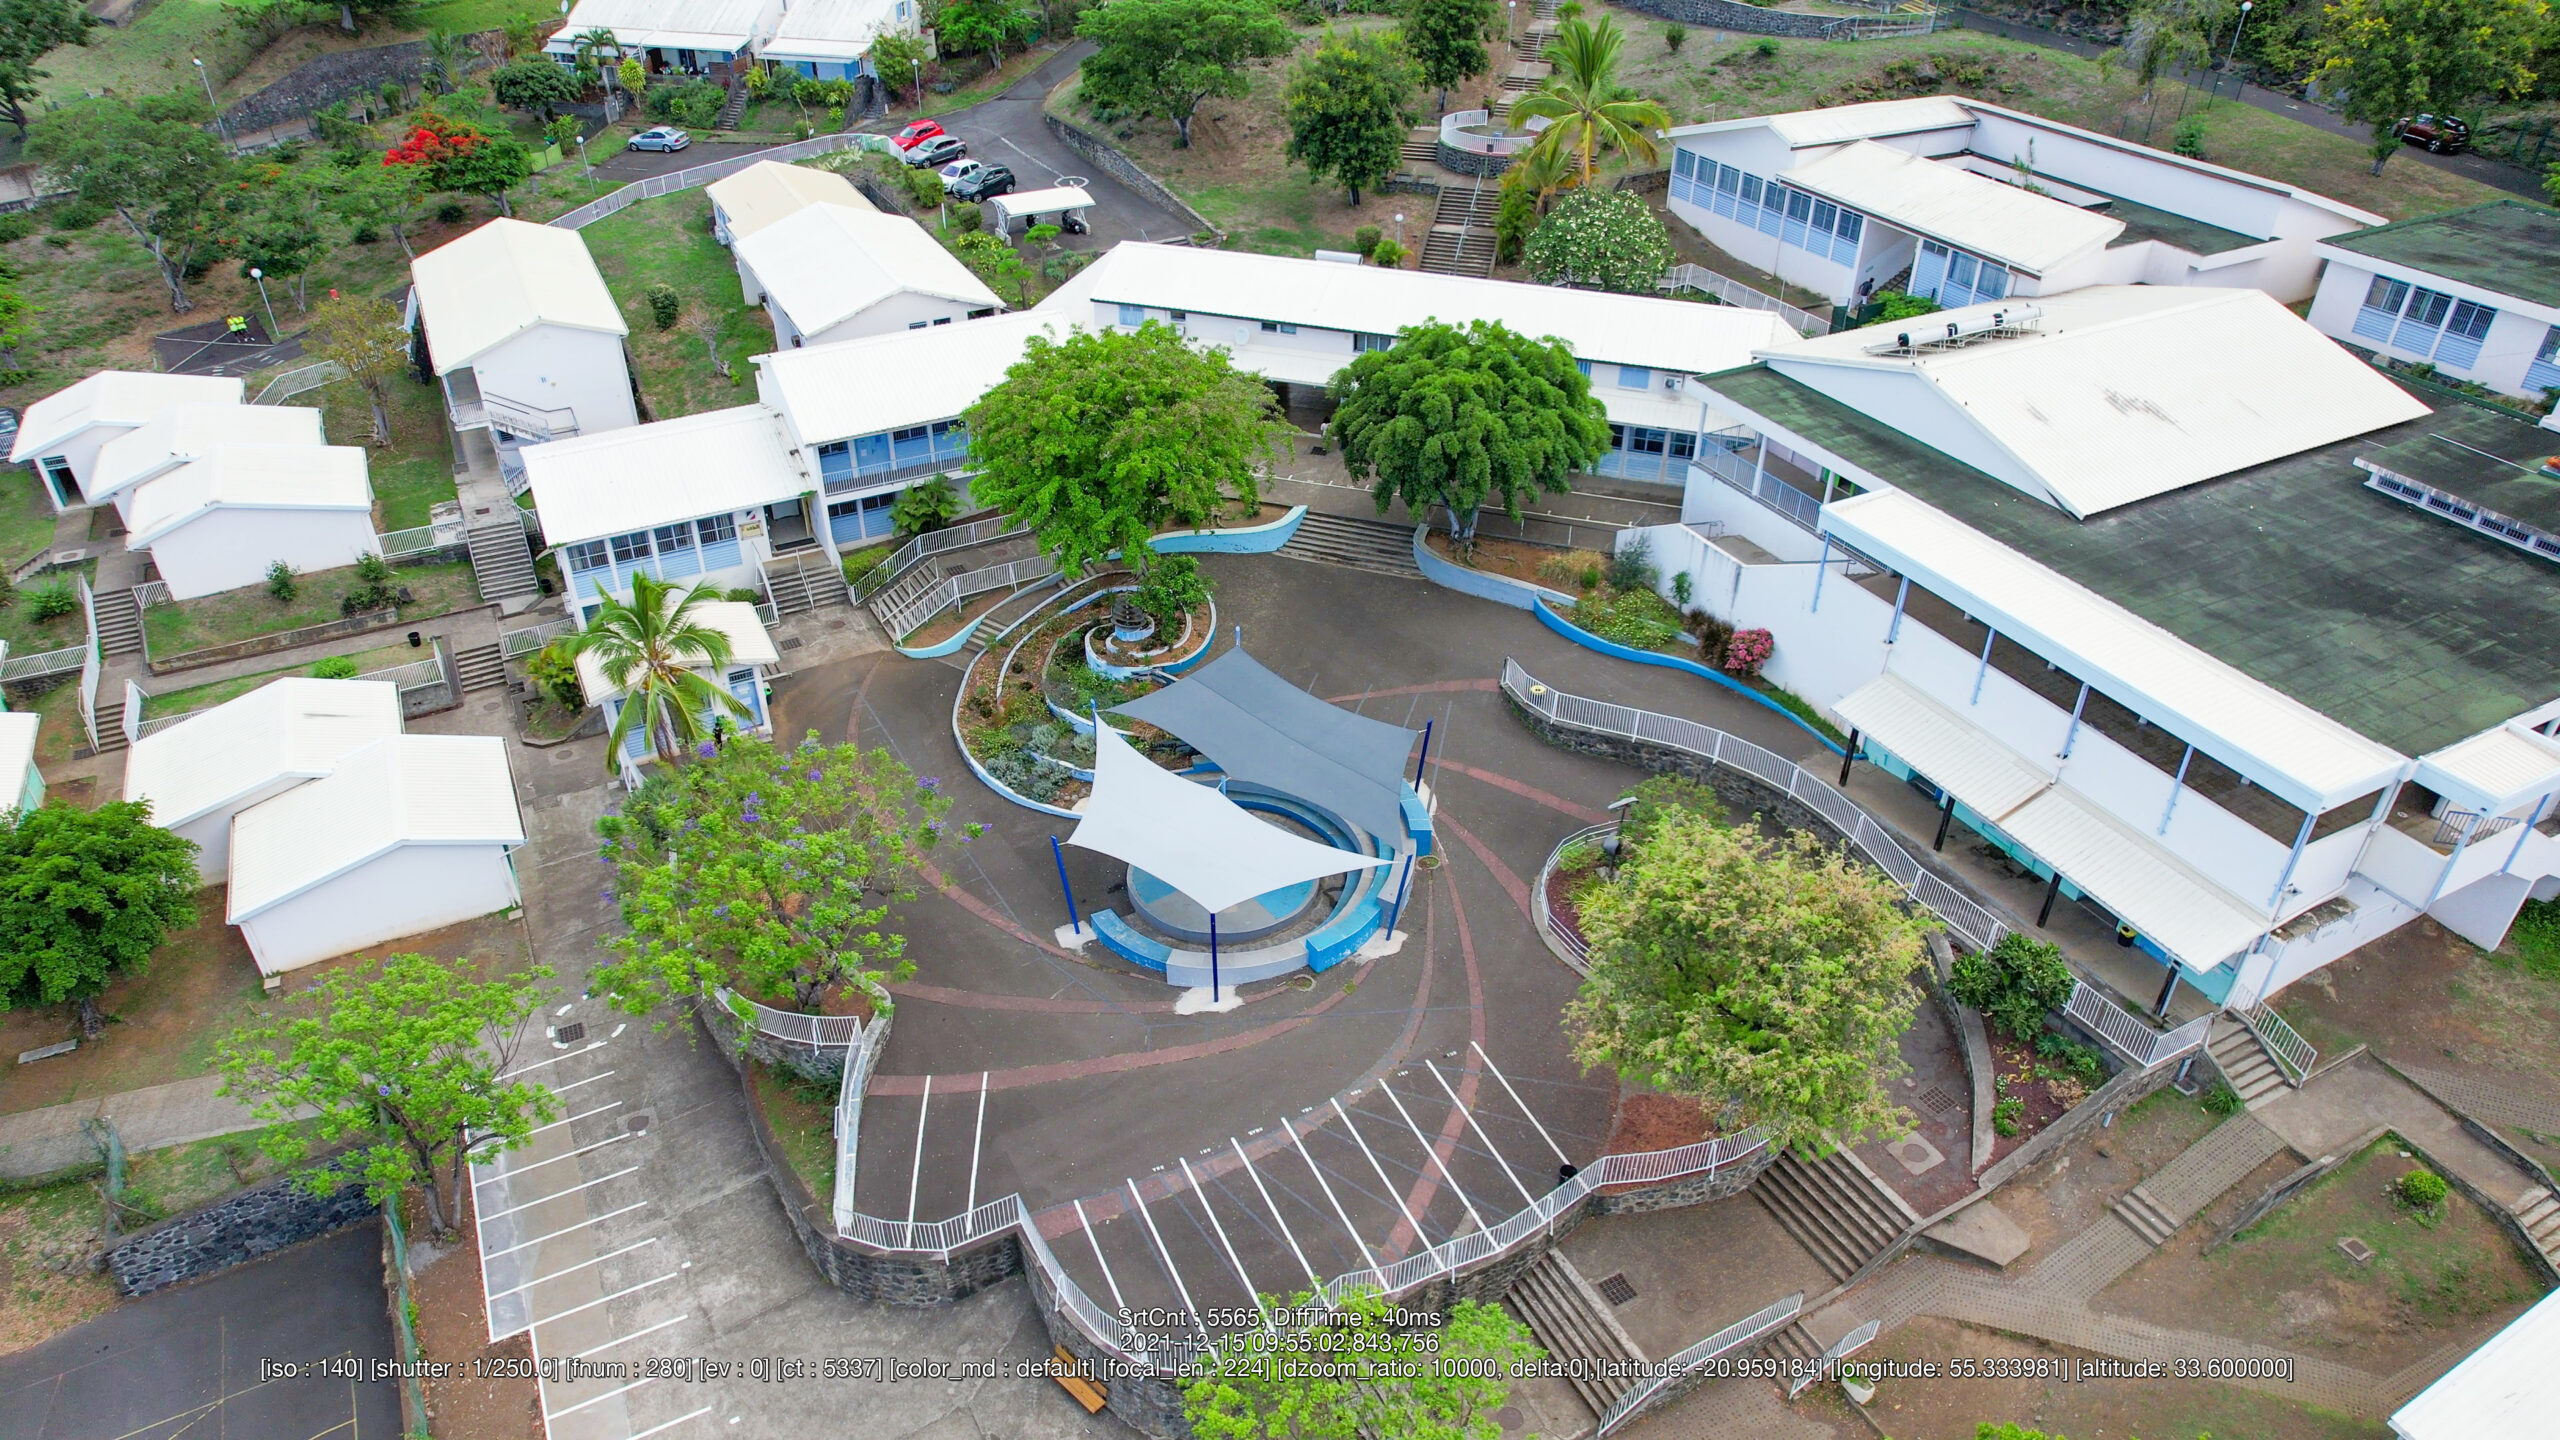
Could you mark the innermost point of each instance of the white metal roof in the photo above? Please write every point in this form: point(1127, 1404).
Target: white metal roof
point(2135, 876)
point(1989, 777)
point(250, 477)
point(829, 29)
point(887, 382)
point(2508, 1389)
point(769, 190)
point(2024, 231)
point(1838, 124)
point(749, 644)
point(2495, 770)
point(401, 790)
point(2299, 754)
point(290, 727)
point(1619, 329)
point(2123, 391)
point(185, 432)
point(670, 24)
point(17, 752)
point(617, 481)
point(1051, 200)
point(503, 279)
point(828, 263)
point(114, 397)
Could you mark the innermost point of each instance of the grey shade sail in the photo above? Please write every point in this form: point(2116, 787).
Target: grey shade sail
point(1265, 731)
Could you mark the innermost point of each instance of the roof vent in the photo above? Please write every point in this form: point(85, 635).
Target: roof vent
point(1968, 328)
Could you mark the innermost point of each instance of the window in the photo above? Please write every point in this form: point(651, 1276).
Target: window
point(1178, 316)
point(2544, 372)
point(915, 324)
point(2428, 324)
point(1584, 366)
point(2463, 332)
point(1362, 343)
point(1133, 314)
point(587, 555)
point(718, 529)
point(835, 461)
point(631, 549)
point(1279, 327)
point(1684, 446)
point(975, 314)
point(1634, 377)
point(672, 539)
point(945, 320)
point(1953, 278)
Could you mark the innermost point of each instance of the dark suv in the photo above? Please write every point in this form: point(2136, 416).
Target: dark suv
point(2441, 134)
point(986, 184)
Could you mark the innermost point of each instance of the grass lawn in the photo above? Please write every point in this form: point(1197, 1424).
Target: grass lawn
point(200, 697)
point(27, 635)
point(668, 241)
point(803, 1123)
point(26, 516)
point(162, 1025)
point(414, 473)
point(185, 625)
point(155, 52)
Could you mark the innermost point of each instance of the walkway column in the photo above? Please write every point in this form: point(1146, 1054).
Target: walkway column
point(1946, 817)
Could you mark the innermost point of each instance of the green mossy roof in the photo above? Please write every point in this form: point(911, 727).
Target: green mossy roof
point(2504, 246)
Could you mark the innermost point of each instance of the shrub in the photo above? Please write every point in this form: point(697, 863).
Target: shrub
point(336, 667)
point(2014, 983)
point(695, 103)
point(2005, 1115)
point(1389, 255)
point(16, 227)
point(376, 588)
point(1672, 36)
point(2082, 1062)
point(862, 562)
point(2221, 1099)
point(2420, 1190)
point(1573, 569)
point(51, 602)
point(2188, 138)
point(79, 215)
point(453, 212)
point(1766, 49)
point(1713, 636)
point(1600, 240)
point(554, 672)
point(1631, 565)
point(1016, 770)
point(1172, 588)
point(8, 591)
point(744, 595)
point(1637, 619)
point(665, 305)
point(1893, 305)
point(365, 235)
point(921, 509)
point(2536, 933)
point(1366, 238)
point(282, 587)
point(1681, 587)
point(1747, 651)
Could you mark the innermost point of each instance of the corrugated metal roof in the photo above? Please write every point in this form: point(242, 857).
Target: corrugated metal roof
point(886, 382)
point(2493, 771)
point(749, 644)
point(2508, 1389)
point(2136, 877)
point(826, 264)
point(114, 397)
point(503, 279)
point(1838, 124)
point(829, 29)
point(185, 432)
point(2024, 231)
point(617, 481)
point(402, 790)
point(2296, 752)
point(290, 727)
point(681, 24)
point(770, 191)
point(1963, 758)
point(2123, 392)
point(250, 477)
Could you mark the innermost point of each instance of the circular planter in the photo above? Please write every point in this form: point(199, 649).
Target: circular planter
point(1182, 653)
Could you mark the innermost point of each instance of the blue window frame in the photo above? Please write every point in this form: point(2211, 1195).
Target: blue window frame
point(1584, 366)
point(2381, 309)
point(835, 461)
point(1133, 314)
point(1362, 343)
point(1953, 278)
point(630, 549)
point(2428, 324)
point(1279, 327)
point(2544, 373)
point(677, 554)
point(1634, 377)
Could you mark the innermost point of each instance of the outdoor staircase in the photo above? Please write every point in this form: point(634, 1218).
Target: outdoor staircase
point(2151, 1220)
point(110, 721)
point(995, 622)
point(1525, 75)
point(501, 561)
point(2244, 1062)
point(805, 582)
point(1835, 1207)
point(1460, 241)
point(909, 603)
point(1375, 545)
point(2538, 1211)
point(1531, 44)
point(1570, 1319)
point(1422, 147)
point(732, 112)
point(1794, 1343)
point(119, 626)
point(481, 667)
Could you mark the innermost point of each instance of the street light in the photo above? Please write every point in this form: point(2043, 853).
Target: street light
point(2245, 7)
point(1511, 29)
point(1399, 230)
point(209, 100)
point(273, 329)
point(583, 160)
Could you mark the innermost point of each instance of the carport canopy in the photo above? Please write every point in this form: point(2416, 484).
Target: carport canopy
point(1263, 730)
point(1031, 204)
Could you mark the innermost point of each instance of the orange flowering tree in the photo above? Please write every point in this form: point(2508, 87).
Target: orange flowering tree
point(461, 157)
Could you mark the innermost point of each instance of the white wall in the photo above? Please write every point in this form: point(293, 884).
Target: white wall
point(1708, 498)
point(2157, 181)
point(82, 451)
point(898, 312)
point(2505, 352)
point(212, 830)
point(1904, 400)
point(411, 890)
point(551, 367)
point(226, 549)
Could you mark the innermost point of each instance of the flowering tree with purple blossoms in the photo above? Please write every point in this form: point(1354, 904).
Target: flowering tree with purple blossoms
point(769, 870)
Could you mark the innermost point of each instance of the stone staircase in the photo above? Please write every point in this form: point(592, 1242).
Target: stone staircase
point(1835, 1207)
point(805, 582)
point(995, 622)
point(1795, 1344)
point(909, 603)
point(1381, 546)
point(1460, 241)
point(733, 111)
point(2245, 1064)
point(1570, 1319)
point(481, 667)
point(2181, 1189)
point(110, 720)
point(119, 629)
point(2538, 1211)
point(1531, 44)
point(1422, 147)
point(501, 561)
point(2139, 1209)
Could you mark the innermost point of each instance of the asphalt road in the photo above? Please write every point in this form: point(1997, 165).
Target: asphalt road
point(188, 1361)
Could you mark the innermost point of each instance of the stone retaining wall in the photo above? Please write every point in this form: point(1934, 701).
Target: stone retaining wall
point(231, 1230)
point(1689, 1190)
point(1742, 793)
point(269, 644)
point(1733, 15)
point(1112, 161)
point(1468, 162)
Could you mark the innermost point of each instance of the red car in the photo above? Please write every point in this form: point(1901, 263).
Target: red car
point(914, 134)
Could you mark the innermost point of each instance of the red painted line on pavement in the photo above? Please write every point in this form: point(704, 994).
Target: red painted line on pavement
point(978, 1000)
point(1583, 813)
point(1427, 1186)
point(1503, 875)
point(1029, 1075)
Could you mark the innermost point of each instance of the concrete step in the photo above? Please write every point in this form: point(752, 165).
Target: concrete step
point(2138, 1209)
point(1833, 1207)
point(2244, 1062)
point(501, 561)
point(2539, 1213)
point(1423, 147)
point(119, 624)
point(1571, 1320)
point(1793, 1343)
point(997, 620)
point(481, 667)
point(805, 583)
point(110, 725)
point(1378, 545)
point(734, 109)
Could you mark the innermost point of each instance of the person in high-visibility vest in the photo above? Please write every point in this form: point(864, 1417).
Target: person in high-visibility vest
point(238, 324)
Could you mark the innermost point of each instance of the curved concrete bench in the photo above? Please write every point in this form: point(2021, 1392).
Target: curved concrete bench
point(1342, 935)
point(1128, 944)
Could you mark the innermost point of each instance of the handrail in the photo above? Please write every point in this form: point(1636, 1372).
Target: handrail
point(2121, 1031)
point(2292, 1054)
point(1742, 1333)
point(824, 1031)
point(295, 382)
point(1688, 276)
point(1572, 949)
point(512, 643)
point(42, 663)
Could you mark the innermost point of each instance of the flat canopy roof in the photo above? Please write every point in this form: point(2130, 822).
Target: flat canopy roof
point(2506, 1389)
point(2504, 246)
point(1046, 201)
point(2001, 222)
point(2479, 455)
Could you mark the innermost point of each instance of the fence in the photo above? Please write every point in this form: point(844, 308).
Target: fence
point(686, 179)
point(296, 382)
point(1755, 481)
point(1740, 1335)
point(43, 664)
point(2292, 1053)
point(1571, 948)
point(828, 1031)
point(92, 665)
point(150, 593)
point(858, 1062)
point(1976, 925)
point(513, 643)
point(931, 543)
point(134, 725)
point(416, 540)
point(2119, 1030)
point(413, 1403)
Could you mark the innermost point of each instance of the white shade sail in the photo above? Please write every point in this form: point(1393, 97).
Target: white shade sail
point(1190, 836)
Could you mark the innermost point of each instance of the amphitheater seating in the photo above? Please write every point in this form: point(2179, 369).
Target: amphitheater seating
point(1127, 943)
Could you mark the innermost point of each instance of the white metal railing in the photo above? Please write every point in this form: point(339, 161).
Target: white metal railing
point(133, 698)
point(1730, 467)
point(2293, 1054)
point(686, 179)
point(824, 1031)
point(932, 542)
point(1742, 1334)
point(416, 540)
point(92, 664)
point(858, 1062)
point(530, 422)
point(295, 382)
point(1570, 947)
point(150, 593)
point(412, 675)
point(44, 663)
point(512, 643)
point(2128, 1035)
point(1828, 1363)
point(511, 470)
point(904, 616)
point(1686, 276)
point(2455, 827)
point(1970, 920)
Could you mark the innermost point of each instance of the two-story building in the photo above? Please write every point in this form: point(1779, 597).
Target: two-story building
point(835, 272)
point(61, 434)
point(831, 39)
point(1959, 201)
point(710, 39)
point(2473, 292)
point(523, 334)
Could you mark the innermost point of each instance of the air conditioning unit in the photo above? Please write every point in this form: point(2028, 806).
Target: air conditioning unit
point(1674, 384)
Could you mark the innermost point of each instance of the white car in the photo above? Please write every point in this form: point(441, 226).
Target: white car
point(960, 174)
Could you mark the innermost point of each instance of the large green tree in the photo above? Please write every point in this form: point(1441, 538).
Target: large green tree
point(1349, 105)
point(29, 29)
point(1447, 40)
point(1163, 57)
point(85, 897)
point(2398, 58)
point(1466, 418)
point(656, 650)
point(363, 334)
point(1098, 441)
point(154, 164)
point(1358, 1375)
point(403, 1061)
point(1767, 978)
point(1590, 110)
point(989, 25)
point(1603, 239)
point(770, 871)
point(534, 83)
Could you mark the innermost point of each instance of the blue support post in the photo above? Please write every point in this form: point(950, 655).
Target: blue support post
point(2073, 734)
point(1821, 568)
point(1060, 856)
point(1401, 885)
point(2522, 831)
point(1901, 593)
point(2175, 786)
point(1425, 758)
point(1982, 669)
point(2301, 839)
point(1213, 957)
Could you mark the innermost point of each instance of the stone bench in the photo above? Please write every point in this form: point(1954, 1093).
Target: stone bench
point(1342, 935)
point(1116, 934)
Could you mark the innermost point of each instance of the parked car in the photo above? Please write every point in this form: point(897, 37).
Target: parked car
point(976, 180)
point(915, 132)
point(940, 150)
point(662, 137)
point(2441, 134)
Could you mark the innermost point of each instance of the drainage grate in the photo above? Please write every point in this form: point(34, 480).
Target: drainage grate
point(1616, 1290)
point(570, 1034)
point(793, 642)
point(1937, 1098)
point(637, 1124)
point(2354, 1249)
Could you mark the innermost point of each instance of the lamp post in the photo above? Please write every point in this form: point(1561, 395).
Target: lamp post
point(1512, 26)
point(273, 329)
point(589, 165)
point(219, 127)
point(1399, 230)
point(2245, 7)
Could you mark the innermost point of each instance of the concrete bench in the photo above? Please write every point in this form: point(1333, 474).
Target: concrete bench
point(1127, 943)
point(1341, 935)
point(1417, 821)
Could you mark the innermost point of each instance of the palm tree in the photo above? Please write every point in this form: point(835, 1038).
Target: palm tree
point(593, 46)
point(1542, 170)
point(1591, 110)
point(654, 649)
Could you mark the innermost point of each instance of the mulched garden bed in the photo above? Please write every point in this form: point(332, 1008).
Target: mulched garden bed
point(2042, 1093)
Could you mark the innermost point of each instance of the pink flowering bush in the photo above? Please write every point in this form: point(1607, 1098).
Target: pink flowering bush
point(1747, 651)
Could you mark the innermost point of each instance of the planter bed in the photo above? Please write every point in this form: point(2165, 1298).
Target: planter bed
point(212, 628)
point(1514, 559)
point(945, 624)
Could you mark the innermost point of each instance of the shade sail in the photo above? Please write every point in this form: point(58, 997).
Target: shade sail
point(1190, 836)
point(1261, 729)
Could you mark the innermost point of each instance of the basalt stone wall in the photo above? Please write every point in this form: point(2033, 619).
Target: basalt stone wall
point(1733, 15)
point(1689, 1190)
point(1742, 794)
point(1115, 163)
point(325, 80)
point(232, 1230)
point(1147, 1403)
point(1468, 162)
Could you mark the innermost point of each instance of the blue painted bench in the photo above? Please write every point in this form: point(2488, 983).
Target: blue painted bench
point(1341, 935)
point(1417, 821)
point(1128, 944)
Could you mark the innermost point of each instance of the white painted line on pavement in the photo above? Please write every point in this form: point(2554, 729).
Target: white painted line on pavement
point(581, 1115)
point(554, 1060)
point(670, 1425)
point(556, 1194)
point(616, 1295)
point(573, 1269)
point(627, 1339)
point(549, 1414)
point(565, 1229)
point(505, 1175)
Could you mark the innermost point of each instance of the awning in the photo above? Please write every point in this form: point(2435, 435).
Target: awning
point(2494, 771)
point(1190, 836)
point(1988, 777)
point(1261, 729)
point(2150, 889)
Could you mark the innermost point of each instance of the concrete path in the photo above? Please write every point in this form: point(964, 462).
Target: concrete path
point(39, 1142)
point(2491, 1102)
